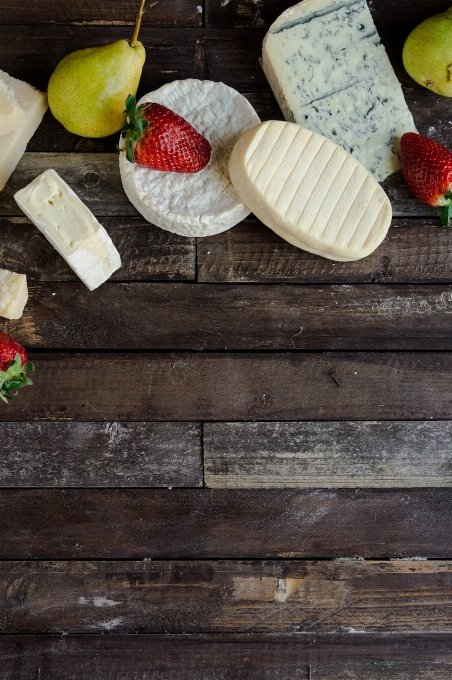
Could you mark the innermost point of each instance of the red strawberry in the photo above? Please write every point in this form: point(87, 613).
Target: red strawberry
point(13, 367)
point(427, 168)
point(159, 139)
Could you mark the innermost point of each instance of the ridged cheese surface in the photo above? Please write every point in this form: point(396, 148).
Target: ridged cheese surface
point(310, 191)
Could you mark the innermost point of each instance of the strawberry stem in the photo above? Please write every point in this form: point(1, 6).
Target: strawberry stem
point(134, 126)
point(136, 30)
point(14, 377)
point(446, 214)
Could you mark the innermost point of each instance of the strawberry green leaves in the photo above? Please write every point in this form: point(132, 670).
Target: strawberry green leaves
point(134, 126)
point(14, 377)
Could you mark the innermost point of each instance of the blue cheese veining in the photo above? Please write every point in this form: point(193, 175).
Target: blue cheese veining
point(331, 74)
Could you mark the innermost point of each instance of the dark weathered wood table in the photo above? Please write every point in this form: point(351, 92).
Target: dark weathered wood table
point(236, 459)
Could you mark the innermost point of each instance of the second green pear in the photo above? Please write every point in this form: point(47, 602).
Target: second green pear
point(427, 54)
point(88, 88)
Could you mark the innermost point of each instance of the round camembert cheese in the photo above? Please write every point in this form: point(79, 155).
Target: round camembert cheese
point(202, 203)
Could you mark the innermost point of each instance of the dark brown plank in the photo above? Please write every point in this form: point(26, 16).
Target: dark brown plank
point(216, 657)
point(224, 597)
point(187, 387)
point(415, 251)
point(101, 13)
point(100, 455)
point(220, 524)
point(328, 455)
point(177, 316)
point(147, 252)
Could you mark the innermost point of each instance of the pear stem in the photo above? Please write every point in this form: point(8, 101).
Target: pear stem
point(136, 30)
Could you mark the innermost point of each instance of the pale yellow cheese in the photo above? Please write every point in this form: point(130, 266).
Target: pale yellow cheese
point(12, 116)
point(310, 191)
point(13, 145)
point(13, 294)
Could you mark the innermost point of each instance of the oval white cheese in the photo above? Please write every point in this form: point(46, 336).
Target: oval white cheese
point(203, 203)
point(310, 191)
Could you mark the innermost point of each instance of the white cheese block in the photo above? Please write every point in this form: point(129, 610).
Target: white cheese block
point(12, 116)
point(70, 227)
point(202, 203)
point(13, 294)
point(310, 191)
point(330, 73)
point(13, 145)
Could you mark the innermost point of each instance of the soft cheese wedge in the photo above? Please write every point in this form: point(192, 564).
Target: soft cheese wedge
point(13, 294)
point(330, 73)
point(12, 145)
point(205, 202)
point(12, 116)
point(70, 227)
point(310, 191)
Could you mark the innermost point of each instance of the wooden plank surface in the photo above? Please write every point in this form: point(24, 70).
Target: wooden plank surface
point(147, 253)
point(177, 316)
point(222, 386)
point(100, 455)
point(216, 657)
point(225, 597)
point(224, 524)
point(328, 455)
point(415, 251)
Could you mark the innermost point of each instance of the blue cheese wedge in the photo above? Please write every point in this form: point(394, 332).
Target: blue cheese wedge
point(70, 227)
point(330, 73)
point(13, 294)
point(310, 191)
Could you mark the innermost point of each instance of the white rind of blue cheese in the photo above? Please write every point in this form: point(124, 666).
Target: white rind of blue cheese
point(310, 191)
point(202, 203)
point(330, 73)
point(13, 294)
point(70, 227)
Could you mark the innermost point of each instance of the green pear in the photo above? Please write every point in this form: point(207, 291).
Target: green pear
point(88, 89)
point(427, 54)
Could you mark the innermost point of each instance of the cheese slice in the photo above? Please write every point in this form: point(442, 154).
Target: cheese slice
point(12, 116)
point(13, 145)
point(310, 191)
point(330, 73)
point(13, 294)
point(70, 227)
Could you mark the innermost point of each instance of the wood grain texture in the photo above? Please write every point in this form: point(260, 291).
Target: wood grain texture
point(103, 13)
point(178, 316)
point(224, 524)
point(225, 597)
point(415, 251)
point(328, 455)
point(265, 386)
point(100, 455)
point(147, 252)
point(227, 657)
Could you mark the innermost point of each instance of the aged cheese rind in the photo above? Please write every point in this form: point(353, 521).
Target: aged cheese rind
point(310, 191)
point(330, 73)
point(202, 203)
point(12, 116)
point(13, 145)
point(70, 227)
point(13, 294)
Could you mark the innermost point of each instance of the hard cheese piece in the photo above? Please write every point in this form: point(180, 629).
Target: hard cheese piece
point(310, 191)
point(330, 73)
point(13, 145)
point(12, 116)
point(13, 294)
point(70, 227)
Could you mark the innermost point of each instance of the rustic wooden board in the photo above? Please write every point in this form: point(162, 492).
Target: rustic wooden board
point(95, 178)
point(328, 455)
point(224, 524)
point(178, 316)
point(415, 251)
point(265, 386)
point(147, 252)
point(226, 597)
point(100, 455)
point(101, 13)
point(216, 657)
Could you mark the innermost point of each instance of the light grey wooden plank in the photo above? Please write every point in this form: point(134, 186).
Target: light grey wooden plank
point(100, 455)
point(328, 454)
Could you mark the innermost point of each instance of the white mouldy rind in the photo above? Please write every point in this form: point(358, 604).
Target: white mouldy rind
point(203, 203)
